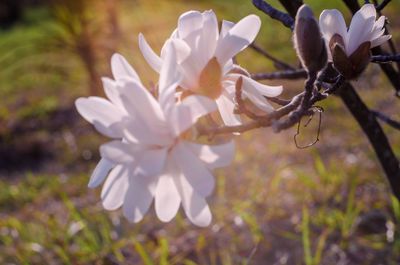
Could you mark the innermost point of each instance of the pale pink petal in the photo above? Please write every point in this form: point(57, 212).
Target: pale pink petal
point(115, 188)
point(238, 38)
point(380, 40)
point(185, 115)
point(181, 47)
point(254, 87)
point(214, 156)
point(194, 170)
point(226, 108)
point(167, 198)
point(226, 26)
point(100, 112)
point(141, 105)
point(208, 38)
point(149, 55)
point(138, 197)
point(150, 162)
point(332, 22)
point(360, 28)
point(100, 172)
point(122, 69)
point(169, 78)
point(189, 22)
point(257, 99)
point(119, 152)
point(194, 205)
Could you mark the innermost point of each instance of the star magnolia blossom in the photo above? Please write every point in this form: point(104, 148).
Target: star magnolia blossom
point(363, 28)
point(205, 54)
point(149, 156)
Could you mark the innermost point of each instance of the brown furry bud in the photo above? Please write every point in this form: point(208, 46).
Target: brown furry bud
point(308, 41)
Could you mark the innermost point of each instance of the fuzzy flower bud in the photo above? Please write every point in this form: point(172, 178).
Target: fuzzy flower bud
point(308, 41)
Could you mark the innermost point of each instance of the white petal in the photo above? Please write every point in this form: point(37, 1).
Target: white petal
point(115, 188)
point(150, 162)
point(360, 28)
point(226, 26)
point(238, 38)
point(181, 47)
point(167, 198)
point(226, 108)
point(332, 22)
point(252, 86)
point(169, 78)
point(142, 105)
point(119, 152)
point(138, 197)
point(194, 170)
point(186, 114)
point(259, 100)
point(105, 116)
point(100, 172)
point(111, 91)
point(208, 38)
point(137, 132)
point(214, 156)
point(194, 205)
point(150, 56)
point(122, 69)
point(189, 22)
point(380, 40)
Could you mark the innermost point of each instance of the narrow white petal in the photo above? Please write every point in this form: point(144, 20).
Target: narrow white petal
point(258, 100)
point(169, 78)
point(118, 152)
point(252, 86)
point(186, 114)
point(167, 198)
point(194, 170)
point(149, 55)
point(138, 197)
point(111, 91)
point(238, 38)
point(208, 38)
point(140, 104)
point(181, 47)
point(226, 26)
point(214, 156)
point(150, 162)
point(360, 28)
point(226, 108)
point(115, 188)
point(122, 69)
point(100, 112)
point(100, 172)
point(332, 22)
point(189, 22)
point(194, 205)
point(380, 40)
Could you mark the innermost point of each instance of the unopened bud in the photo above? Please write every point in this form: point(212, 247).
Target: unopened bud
point(308, 41)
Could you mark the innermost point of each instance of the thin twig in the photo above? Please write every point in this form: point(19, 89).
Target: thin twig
point(279, 101)
point(385, 58)
point(284, 18)
point(386, 119)
point(290, 74)
point(277, 63)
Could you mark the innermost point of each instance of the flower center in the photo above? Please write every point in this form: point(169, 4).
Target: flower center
point(210, 80)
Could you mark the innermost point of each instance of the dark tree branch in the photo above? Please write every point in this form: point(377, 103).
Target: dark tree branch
point(385, 58)
point(367, 121)
point(382, 5)
point(291, 6)
point(386, 119)
point(352, 5)
point(277, 63)
point(292, 74)
point(284, 18)
point(390, 72)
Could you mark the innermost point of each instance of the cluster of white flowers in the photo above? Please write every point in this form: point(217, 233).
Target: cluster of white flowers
point(151, 155)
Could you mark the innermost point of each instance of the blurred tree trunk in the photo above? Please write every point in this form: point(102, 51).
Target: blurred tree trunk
point(113, 23)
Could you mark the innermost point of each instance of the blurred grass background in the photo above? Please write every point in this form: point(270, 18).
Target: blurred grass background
point(328, 204)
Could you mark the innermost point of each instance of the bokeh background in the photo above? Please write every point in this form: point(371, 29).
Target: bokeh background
point(328, 204)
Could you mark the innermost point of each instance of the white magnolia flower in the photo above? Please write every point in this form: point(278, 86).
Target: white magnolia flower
point(149, 156)
point(363, 28)
point(205, 54)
